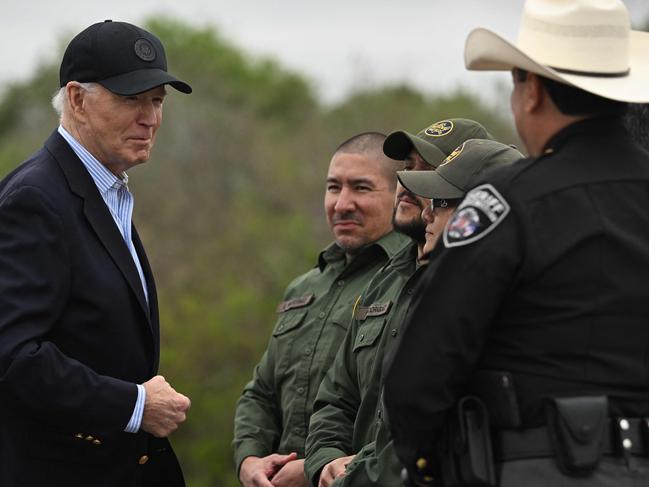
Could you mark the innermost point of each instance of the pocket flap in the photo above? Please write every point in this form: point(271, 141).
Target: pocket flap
point(289, 321)
point(341, 315)
point(368, 333)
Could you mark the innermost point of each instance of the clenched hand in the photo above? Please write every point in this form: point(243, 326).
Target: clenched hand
point(164, 408)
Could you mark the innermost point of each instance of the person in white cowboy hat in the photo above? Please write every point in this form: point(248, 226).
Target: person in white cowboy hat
point(535, 369)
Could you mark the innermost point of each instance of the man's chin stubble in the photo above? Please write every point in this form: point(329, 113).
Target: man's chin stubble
point(415, 229)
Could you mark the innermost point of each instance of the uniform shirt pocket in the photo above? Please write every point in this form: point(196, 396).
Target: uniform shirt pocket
point(289, 321)
point(368, 333)
point(287, 331)
point(341, 316)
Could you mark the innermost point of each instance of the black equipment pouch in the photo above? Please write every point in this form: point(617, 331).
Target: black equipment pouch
point(577, 427)
point(466, 454)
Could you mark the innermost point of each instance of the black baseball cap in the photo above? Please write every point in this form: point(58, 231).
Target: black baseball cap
point(121, 57)
point(436, 141)
point(460, 171)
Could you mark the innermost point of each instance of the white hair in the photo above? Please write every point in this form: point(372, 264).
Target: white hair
point(60, 98)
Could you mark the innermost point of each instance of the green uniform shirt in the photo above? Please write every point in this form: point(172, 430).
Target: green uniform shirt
point(272, 415)
point(347, 407)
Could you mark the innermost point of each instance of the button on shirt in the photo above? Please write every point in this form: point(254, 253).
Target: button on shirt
point(119, 201)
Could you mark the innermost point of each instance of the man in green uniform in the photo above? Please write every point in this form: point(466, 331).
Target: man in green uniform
point(345, 412)
point(273, 412)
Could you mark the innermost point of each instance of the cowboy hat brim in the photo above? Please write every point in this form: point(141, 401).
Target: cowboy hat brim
point(487, 51)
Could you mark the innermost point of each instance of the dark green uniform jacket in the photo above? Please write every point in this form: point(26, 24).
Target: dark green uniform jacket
point(376, 464)
point(555, 290)
point(273, 412)
point(347, 408)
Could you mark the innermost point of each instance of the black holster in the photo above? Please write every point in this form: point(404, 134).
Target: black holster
point(577, 427)
point(465, 453)
point(497, 390)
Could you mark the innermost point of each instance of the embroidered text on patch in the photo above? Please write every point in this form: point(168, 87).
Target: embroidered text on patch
point(295, 303)
point(375, 309)
point(480, 212)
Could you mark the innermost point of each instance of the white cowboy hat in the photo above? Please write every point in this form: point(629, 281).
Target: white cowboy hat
point(585, 43)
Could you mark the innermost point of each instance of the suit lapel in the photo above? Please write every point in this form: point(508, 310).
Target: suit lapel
point(97, 214)
point(153, 297)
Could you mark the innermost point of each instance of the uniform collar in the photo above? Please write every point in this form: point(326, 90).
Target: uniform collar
point(595, 125)
point(406, 259)
point(389, 244)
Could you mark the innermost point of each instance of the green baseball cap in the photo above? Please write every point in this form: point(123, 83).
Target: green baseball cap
point(460, 171)
point(436, 141)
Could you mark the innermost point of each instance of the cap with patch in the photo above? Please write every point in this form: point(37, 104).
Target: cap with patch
point(436, 141)
point(121, 57)
point(460, 171)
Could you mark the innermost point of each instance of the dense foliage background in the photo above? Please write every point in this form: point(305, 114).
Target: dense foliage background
point(230, 206)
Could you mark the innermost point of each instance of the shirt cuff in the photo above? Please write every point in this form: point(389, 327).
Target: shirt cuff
point(133, 425)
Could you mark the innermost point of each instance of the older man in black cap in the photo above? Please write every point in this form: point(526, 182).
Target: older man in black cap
point(541, 324)
point(79, 340)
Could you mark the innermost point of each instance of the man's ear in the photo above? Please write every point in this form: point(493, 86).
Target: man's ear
point(76, 99)
point(534, 95)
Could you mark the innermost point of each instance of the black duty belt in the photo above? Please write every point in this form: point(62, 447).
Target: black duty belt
point(623, 436)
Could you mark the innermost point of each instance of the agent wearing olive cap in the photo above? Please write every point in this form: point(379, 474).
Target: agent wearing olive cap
point(345, 410)
point(444, 135)
point(79, 335)
point(541, 323)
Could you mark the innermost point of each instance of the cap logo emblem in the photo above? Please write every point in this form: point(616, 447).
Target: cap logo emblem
point(144, 50)
point(439, 129)
point(452, 155)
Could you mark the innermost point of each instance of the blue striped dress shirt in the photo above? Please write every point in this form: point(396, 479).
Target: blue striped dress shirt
point(119, 200)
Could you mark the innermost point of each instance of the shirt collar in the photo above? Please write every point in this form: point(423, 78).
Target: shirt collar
point(390, 244)
point(406, 259)
point(603, 125)
point(103, 178)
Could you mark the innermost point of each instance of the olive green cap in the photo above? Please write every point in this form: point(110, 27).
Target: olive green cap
point(460, 171)
point(436, 141)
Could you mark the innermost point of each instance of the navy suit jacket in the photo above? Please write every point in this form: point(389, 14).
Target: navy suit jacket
point(76, 334)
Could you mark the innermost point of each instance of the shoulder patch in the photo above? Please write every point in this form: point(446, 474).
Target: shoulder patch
point(374, 309)
point(300, 302)
point(482, 210)
point(438, 129)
